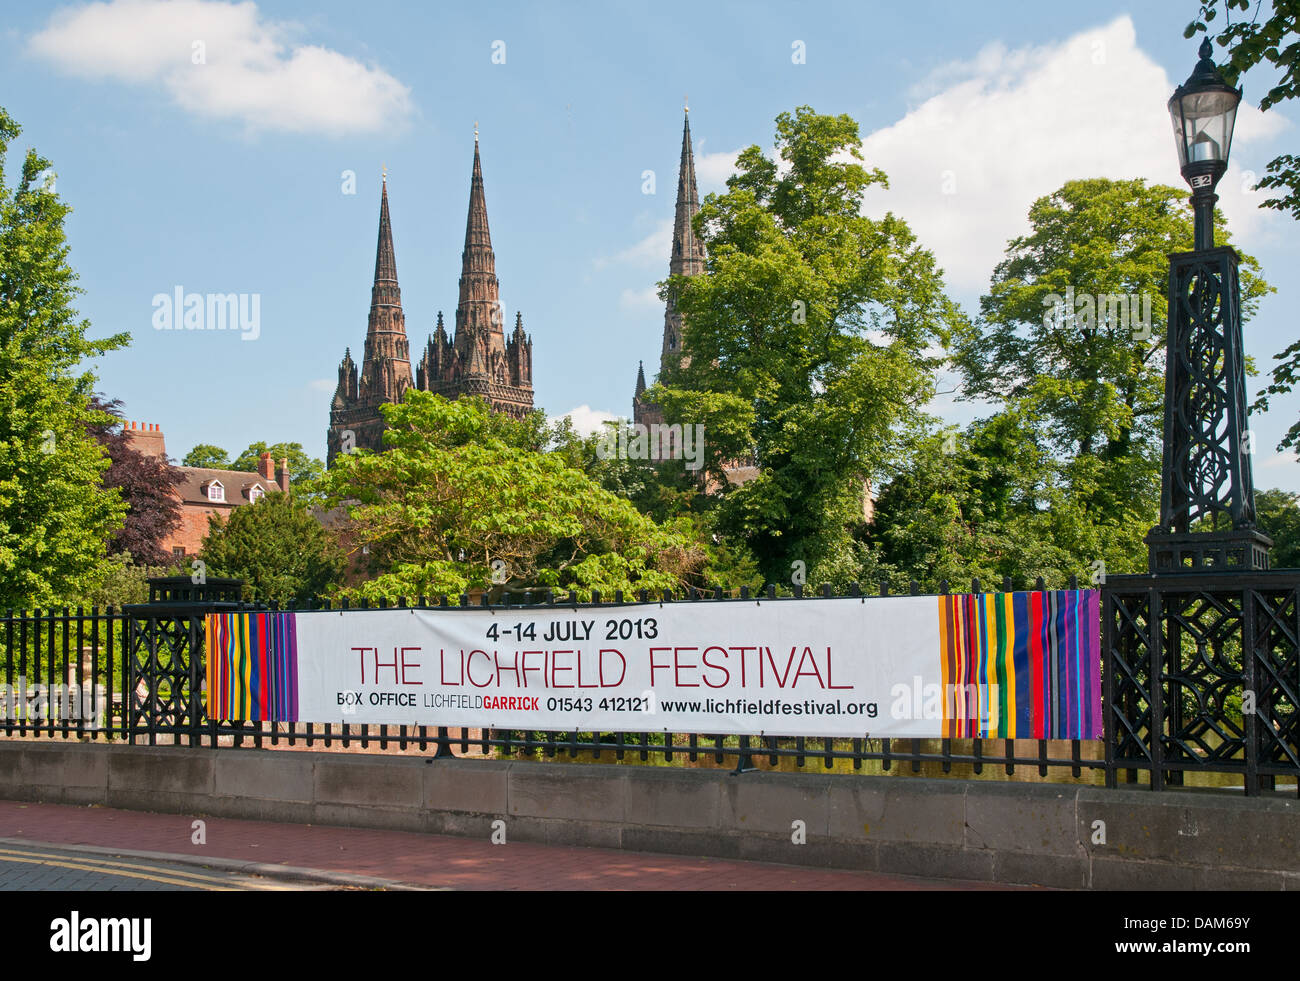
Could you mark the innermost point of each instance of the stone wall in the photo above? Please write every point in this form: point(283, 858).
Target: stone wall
point(1010, 833)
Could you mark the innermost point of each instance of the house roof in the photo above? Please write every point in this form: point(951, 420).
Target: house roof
point(740, 475)
point(193, 489)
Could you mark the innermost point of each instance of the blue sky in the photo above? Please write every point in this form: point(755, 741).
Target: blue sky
point(228, 176)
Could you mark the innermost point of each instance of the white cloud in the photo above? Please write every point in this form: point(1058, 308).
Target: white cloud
point(653, 249)
point(640, 299)
point(224, 61)
point(587, 420)
point(1284, 459)
point(323, 384)
point(713, 169)
point(1011, 126)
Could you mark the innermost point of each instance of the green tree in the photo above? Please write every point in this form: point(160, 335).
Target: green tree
point(1066, 339)
point(207, 455)
point(1278, 515)
point(462, 498)
point(121, 580)
point(55, 519)
point(280, 551)
point(806, 342)
point(666, 491)
point(147, 484)
point(303, 469)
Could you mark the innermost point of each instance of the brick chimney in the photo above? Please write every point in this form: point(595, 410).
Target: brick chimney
point(145, 437)
point(266, 467)
point(284, 474)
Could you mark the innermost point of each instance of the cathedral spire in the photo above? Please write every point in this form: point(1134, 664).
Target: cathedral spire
point(477, 360)
point(385, 292)
point(386, 369)
point(688, 253)
point(477, 257)
point(687, 258)
point(480, 331)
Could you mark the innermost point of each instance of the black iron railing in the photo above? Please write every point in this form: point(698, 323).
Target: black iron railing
point(137, 675)
point(63, 673)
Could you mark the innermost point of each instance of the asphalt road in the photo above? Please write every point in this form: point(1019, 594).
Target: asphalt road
point(48, 869)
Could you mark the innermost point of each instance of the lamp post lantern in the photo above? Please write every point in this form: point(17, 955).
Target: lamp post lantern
point(1207, 501)
point(1204, 110)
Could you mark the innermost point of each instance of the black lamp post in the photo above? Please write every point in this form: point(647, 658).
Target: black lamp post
point(1210, 619)
point(1207, 501)
point(1204, 110)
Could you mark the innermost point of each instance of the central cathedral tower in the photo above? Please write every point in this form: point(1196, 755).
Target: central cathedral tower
point(478, 359)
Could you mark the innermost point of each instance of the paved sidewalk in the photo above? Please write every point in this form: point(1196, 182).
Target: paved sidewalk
point(395, 859)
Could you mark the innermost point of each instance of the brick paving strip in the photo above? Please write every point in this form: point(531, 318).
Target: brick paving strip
point(359, 857)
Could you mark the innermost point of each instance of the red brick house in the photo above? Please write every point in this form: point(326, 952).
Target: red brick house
point(205, 490)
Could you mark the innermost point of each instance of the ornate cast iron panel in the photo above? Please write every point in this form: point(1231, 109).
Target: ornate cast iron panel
point(1275, 621)
point(164, 654)
point(1126, 622)
point(1207, 504)
point(1203, 673)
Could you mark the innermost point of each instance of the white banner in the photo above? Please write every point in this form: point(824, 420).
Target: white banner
point(848, 667)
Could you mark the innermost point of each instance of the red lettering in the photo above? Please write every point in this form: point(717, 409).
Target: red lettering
point(442, 668)
point(829, 683)
point(807, 655)
point(622, 667)
point(556, 668)
point(726, 675)
point(677, 668)
point(362, 651)
point(580, 684)
point(780, 681)
point(513, 667)
point(524, 669)
point(385, 664)
point(742, 661)
point(470, 664)
point(653, 666)
point(405, 665)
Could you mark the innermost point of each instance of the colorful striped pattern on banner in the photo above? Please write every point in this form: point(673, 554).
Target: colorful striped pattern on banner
point(1021, 665)
point(252, 667)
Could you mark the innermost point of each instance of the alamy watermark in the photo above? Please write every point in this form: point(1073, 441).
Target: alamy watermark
point(52, 703)
point(1083, 311)
point(77, 934)
point(918, 700)
point(179, 310)
point(655, 442)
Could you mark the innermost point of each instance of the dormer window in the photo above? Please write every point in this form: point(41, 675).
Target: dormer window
point(216, 492)
point(255, 495)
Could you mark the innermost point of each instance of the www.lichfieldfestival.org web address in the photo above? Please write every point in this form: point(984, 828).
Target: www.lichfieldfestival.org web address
point(772, 706)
